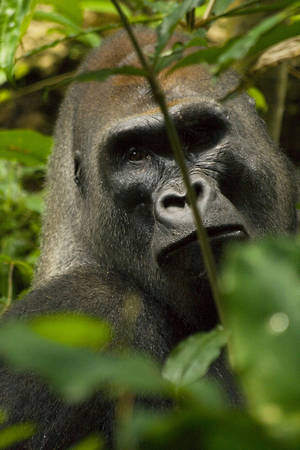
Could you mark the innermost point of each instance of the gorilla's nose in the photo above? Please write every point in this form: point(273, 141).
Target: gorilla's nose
point(172, 207)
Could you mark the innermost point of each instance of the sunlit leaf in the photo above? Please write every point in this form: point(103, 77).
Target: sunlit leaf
point(90, 443)
point(15, 16)
point(74, 330)
point(68, 8)
point(104, 6)
point(259, 98)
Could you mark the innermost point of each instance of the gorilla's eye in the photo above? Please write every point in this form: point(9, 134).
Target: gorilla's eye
point(138, 154)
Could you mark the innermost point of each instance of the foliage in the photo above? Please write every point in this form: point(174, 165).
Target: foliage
point(259, 285)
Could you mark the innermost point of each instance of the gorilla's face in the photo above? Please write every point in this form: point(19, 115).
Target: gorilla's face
point(133, 214)
point(148, 189)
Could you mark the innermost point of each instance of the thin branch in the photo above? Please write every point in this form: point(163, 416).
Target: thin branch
point(10, 283)
point(39, 85)
point(209, 9)
point(279, 100)
point(191, 19)
point(179, 157)
point(101, 29)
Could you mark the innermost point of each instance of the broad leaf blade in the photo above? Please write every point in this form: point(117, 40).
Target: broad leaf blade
point(15, 433)
point(25, 146)
point(261, 286)
point(191, 359)
point(73, 329)
point(75, 372)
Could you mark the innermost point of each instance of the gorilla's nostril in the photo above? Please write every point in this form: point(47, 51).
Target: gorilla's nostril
point(198, 188)
point(173, 201)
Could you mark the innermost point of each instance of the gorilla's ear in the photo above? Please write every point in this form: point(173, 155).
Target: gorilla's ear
point(297, 182)
point(77, 170)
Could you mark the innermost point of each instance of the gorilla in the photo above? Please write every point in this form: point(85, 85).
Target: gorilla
point(118, 224)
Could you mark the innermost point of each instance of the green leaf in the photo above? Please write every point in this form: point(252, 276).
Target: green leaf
point(93, 442)
point(221, 6)
point(166, 28)
point(75, 372)
point(15, 16)
point(257, 6)
point(34, 202)
point(259, 98)
point(105, 6)
point(278, 34)
point(74, 330)
point(57, 17)
point(70, 27)
point(239, 48)
point(261, 287)
point(191, 358)
point(197, 429)
point(25, 146)
point(15, 433)
point(236, 48)
point(68, 8)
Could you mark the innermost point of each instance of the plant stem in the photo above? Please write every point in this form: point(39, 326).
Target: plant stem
point(179, 157)
point(9, 289)
point(209, 9)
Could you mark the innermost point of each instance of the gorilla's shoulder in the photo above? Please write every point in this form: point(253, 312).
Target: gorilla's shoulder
point(80, 290)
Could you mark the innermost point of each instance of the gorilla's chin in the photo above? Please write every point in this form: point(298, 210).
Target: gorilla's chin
point(185, 256)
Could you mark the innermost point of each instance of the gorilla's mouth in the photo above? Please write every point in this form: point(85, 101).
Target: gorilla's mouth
point(217, 236)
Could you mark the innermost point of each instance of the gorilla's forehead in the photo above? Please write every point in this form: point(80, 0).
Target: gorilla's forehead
point(104, 105)
point(122, 98)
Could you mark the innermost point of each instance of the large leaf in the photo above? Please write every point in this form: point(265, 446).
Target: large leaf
point(191, 358)
point(68, 8)
point(73, 329)
point(75, 372)
point(197, 429)
point(274, 36)
point(92, 442)
point(70, 27)
point(25, 146)
point(238, 48)
point(261, 286)
point(15, 16)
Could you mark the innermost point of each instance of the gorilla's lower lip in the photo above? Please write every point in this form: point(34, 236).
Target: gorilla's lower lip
point(219, 233)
